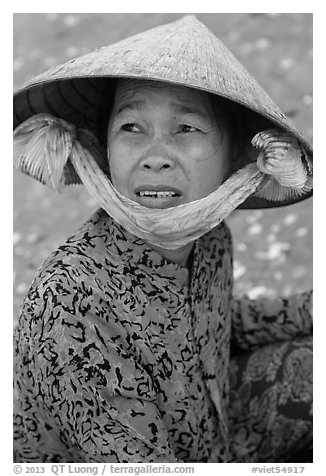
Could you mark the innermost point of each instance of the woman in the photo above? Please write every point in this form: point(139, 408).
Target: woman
point(123, 345)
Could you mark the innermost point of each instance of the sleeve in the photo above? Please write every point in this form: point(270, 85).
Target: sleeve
point(89, 386)
point(264, 320)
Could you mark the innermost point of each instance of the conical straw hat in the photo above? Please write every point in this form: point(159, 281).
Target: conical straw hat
point(184, 52)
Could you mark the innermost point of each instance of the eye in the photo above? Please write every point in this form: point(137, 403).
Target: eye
point(186, 128)
point(130, 127)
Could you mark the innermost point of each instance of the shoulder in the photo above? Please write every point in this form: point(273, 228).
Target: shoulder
point(70, 281)
point(222, 232)
point(80, 259)
point(218, 241)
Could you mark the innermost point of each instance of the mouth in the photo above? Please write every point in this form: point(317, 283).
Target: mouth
point(161, 196)
point(154, 194)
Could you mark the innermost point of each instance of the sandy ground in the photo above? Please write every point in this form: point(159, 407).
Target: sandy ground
point(273, 248)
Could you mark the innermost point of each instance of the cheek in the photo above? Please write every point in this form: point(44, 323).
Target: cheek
point(212, 171)
point(205, 147)
point(118, 163)
point(212, 156)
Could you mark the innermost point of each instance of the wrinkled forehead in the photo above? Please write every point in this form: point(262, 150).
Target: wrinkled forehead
point(128, 90)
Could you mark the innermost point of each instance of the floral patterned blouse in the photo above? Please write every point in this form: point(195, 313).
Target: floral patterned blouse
point(122, 356)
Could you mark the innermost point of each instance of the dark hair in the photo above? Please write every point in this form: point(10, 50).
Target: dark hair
point(105, 110)
point(243, 125)
point(235, 117)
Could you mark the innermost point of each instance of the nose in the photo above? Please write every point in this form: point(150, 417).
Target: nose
point(159, 155)
point(158, 163)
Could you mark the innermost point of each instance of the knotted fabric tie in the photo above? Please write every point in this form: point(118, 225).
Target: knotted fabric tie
point(52, 151)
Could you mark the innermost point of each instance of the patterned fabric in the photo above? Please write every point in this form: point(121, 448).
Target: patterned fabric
point(122, 356)
point(270, 411)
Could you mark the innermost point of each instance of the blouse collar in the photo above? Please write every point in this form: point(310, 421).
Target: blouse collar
point(134, 252)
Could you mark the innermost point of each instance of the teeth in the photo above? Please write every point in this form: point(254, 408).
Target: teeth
point(157, 194)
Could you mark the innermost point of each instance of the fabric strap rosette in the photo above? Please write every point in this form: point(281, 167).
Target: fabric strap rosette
point(49, 149)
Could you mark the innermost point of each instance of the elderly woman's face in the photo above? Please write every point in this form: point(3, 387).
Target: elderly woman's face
point(166, 145)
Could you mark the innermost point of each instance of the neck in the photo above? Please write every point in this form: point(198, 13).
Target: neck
point(180, 256)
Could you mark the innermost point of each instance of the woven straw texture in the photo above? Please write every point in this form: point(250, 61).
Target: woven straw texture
point(184, 52)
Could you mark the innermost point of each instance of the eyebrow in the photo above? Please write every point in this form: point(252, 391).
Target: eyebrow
point(139, 104)
point(185, 110)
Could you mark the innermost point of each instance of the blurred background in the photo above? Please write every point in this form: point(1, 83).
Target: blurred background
point(273, 248)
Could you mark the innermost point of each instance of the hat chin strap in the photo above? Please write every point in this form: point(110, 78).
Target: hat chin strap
point(169, 228)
